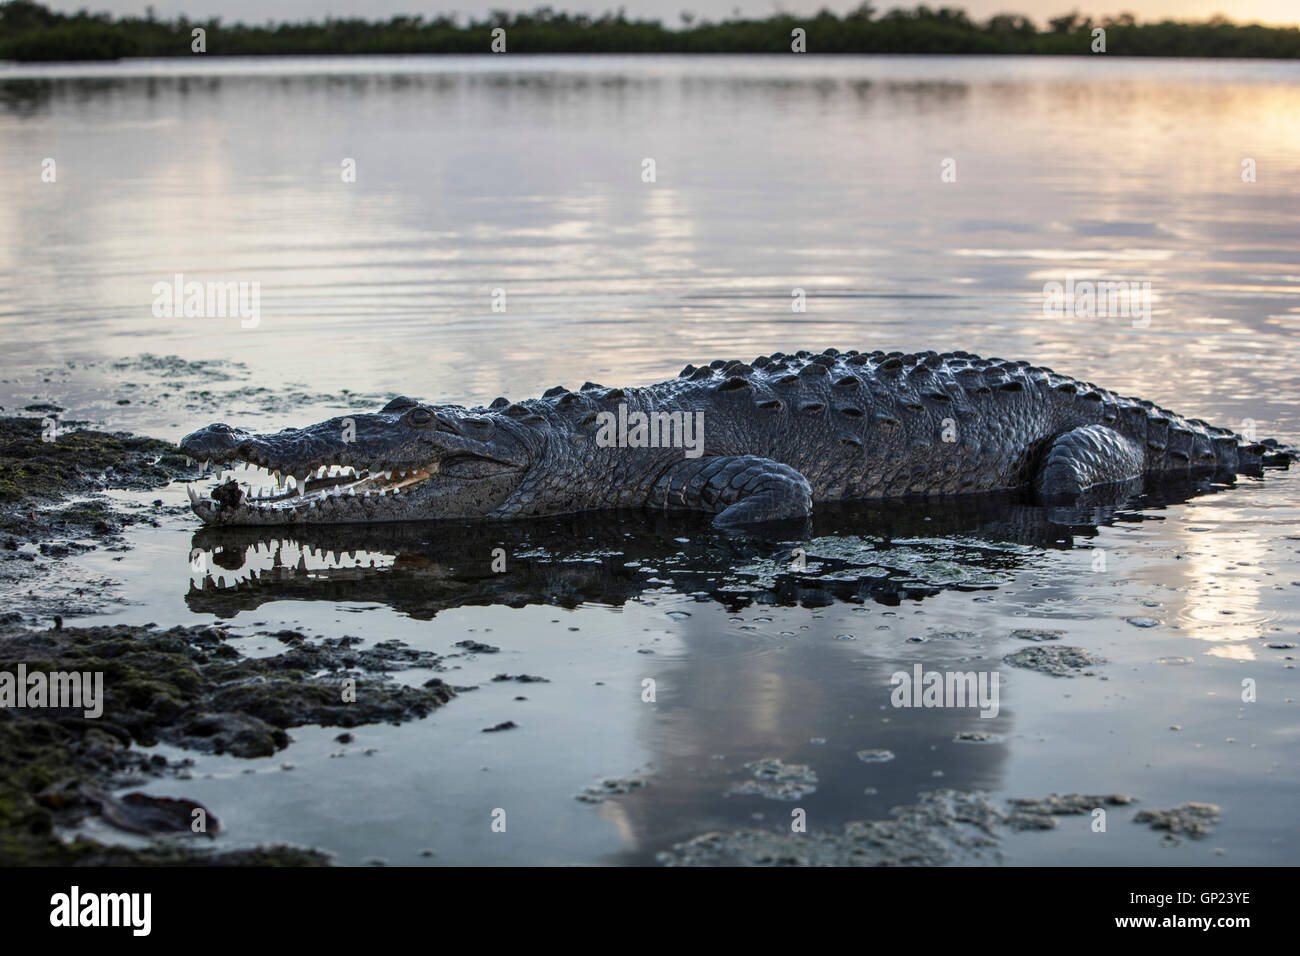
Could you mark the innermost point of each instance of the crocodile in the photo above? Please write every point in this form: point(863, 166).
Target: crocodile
point(747, 443)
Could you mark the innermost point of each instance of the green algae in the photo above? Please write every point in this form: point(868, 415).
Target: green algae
point(187, 686)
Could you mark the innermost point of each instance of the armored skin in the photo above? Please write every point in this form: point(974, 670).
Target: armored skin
point(746, 442)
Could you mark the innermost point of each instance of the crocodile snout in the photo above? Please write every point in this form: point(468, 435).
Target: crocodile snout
point(215, 441)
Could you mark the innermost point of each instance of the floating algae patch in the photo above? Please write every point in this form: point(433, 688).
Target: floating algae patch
point(173, 368)
point(1036, 635)
point(609, 787)
point(1055, 660)
point(977, 737)
point(944, 826)
point(941, 562)
point(259, 401)
point(875, 756)
point(822, 580)
point(1190, 819)
point(1040, 813)
point(769, 574)
point(161, 382)
point(776, 780)
point(848, 558)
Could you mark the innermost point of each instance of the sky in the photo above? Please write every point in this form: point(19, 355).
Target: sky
point(259, 11)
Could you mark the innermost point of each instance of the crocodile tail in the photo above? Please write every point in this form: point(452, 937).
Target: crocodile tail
point(1240, 455)
point(1273, 453)
point(1176, 444)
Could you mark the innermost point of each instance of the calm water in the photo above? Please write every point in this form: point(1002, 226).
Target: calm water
point(771, 174)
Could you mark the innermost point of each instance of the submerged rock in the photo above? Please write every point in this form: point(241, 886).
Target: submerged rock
point(137, 812)
point(187, 686)
point(521, 678)
point(477, 647)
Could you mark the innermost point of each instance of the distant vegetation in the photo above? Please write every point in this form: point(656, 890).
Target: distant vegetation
point(29, 31)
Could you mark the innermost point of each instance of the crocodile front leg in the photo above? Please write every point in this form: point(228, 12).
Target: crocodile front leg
point(739, 490)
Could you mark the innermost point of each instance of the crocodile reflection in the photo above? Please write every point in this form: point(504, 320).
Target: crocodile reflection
point(853, 553)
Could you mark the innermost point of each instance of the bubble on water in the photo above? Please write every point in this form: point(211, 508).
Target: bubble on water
point(977, 737)
point(875, 756)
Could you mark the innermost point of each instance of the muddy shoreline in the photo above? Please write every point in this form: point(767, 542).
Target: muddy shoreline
point(187, 686)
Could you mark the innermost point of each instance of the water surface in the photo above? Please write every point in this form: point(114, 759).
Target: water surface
point(772, 174)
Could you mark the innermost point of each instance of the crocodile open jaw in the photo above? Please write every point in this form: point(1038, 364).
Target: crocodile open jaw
point(285, 495)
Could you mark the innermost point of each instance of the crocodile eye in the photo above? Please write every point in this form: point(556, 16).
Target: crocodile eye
point(399, 403)
point(419, 416)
